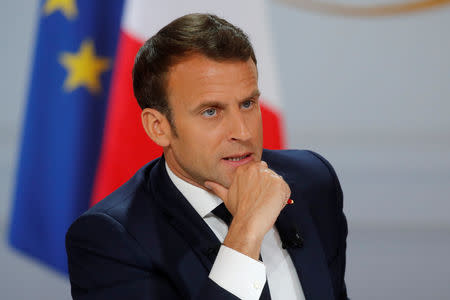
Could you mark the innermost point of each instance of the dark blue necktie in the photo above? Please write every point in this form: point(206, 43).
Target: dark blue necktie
point(222, 212)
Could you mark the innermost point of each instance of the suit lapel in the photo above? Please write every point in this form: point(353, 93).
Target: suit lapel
point(183, 217)
point(309, 259)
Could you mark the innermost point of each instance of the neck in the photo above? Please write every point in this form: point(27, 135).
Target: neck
point(179, 172)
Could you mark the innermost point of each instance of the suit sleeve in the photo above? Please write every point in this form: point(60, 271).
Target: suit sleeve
point(106, 262)
point(338, 264)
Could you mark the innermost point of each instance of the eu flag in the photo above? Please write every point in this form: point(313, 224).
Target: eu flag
point(63, 126)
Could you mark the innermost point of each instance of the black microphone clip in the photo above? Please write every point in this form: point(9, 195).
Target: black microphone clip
point(291, 238)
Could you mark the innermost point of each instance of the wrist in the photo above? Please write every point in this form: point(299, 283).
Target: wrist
point(242, 238)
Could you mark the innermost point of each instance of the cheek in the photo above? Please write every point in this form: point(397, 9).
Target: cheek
point(208, 135)
point(255, 122)
point(208, 147)
point(200, 144)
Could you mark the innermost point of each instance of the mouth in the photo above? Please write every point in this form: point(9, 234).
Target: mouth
point(238, 159)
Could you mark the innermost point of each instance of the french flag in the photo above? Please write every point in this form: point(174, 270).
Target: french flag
point(83, 139)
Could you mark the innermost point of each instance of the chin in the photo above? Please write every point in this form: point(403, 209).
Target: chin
point(227, 180)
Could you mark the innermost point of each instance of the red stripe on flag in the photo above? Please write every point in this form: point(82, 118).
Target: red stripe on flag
point(126, 147)
point(273, 130)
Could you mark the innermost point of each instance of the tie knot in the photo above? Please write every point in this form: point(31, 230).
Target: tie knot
point(222, 212)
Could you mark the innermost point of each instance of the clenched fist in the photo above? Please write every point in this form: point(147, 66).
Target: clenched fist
point(255, 198)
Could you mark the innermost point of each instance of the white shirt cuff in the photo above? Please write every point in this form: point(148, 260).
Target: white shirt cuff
point(239, 274)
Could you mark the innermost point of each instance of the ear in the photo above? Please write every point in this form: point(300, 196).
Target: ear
point(156, 126)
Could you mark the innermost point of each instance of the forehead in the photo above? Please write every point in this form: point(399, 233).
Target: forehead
point(199, 78)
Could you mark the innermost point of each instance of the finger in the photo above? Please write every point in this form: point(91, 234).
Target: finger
point(271, 173)
point(264, 164)
point(287, 191)
point(218, 189)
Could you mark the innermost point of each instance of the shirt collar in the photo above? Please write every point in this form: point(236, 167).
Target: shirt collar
point(202, 201)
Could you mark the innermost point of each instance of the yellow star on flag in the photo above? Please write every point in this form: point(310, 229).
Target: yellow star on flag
point(84, 68)
point(67, 7)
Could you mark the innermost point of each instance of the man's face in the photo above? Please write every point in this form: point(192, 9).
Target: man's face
point(217, 117)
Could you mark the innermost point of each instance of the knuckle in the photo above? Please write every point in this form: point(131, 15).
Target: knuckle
point(289, 193)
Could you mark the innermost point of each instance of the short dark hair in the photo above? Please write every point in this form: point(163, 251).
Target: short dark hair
point(204, 34)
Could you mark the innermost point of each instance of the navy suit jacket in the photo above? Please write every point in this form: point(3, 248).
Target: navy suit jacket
point(145, 241)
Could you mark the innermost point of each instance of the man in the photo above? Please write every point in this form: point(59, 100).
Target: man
point(165, 234)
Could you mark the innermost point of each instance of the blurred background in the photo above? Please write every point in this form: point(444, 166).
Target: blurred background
point(367, 89)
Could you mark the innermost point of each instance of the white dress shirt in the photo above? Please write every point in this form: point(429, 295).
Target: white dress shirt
point(237, 273)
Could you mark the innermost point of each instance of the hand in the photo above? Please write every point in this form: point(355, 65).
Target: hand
point(255, 198)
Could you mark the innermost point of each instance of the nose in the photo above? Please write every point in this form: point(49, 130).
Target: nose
point(238, 127)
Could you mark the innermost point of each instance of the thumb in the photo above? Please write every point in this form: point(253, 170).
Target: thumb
point(218, 189)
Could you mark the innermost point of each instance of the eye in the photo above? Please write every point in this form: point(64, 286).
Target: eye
point(247, 104)
point(210, 112)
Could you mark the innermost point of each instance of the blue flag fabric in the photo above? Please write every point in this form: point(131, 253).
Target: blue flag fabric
point(63, 124)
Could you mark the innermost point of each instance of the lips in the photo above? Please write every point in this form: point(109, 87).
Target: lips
point(237, 157)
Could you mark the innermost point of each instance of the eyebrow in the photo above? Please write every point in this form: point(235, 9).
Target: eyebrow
point(212, 103)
